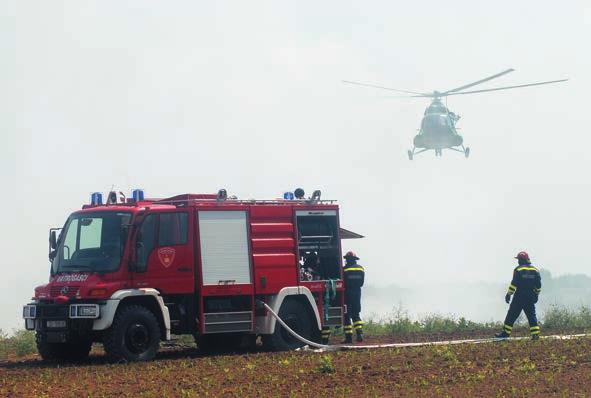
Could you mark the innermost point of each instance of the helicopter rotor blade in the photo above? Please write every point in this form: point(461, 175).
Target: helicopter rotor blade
point(383, 88)
point(478, 82)
point(506, 88)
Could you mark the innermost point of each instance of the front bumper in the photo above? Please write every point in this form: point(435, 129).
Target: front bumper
point(58, 323)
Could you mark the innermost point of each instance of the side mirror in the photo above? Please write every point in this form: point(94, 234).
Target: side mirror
point(53, 239)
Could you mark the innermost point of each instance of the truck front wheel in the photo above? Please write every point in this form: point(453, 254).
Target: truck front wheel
point(134, 335)
point(299, 319)
point(72, 351)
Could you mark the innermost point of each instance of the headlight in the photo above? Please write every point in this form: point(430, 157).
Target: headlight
point(30, 324)
point(84, 311)
point(29, 311)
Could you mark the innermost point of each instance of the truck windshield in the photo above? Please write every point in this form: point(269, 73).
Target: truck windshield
point(91, 242)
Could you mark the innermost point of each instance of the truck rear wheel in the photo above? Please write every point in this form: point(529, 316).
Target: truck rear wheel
point(72, 351)
point(299, 319)
point(134, 335)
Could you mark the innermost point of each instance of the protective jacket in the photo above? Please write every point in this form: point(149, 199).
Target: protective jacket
point(526, 283)
point(354, 278)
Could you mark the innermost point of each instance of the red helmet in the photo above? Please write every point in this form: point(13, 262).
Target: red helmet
point(522, 256)
point(351, 254)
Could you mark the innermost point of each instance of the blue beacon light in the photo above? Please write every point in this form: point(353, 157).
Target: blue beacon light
point(96, 198)
point(137, 195)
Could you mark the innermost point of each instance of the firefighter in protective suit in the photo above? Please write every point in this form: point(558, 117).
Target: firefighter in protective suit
point(525, 288)
point(354, 278)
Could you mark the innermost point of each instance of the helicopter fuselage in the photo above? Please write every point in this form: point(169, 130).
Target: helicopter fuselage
point(438, 131)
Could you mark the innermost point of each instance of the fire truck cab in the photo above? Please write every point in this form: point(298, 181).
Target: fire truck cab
point(131, 272)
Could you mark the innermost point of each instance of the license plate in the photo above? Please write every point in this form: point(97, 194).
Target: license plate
point(56, 324)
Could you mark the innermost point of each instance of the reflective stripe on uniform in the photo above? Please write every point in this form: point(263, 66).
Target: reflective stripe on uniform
point(352, 269)
point(348, 327)
point(534, 328)
point(508, 328)
point(526, 269)
point(512, 287)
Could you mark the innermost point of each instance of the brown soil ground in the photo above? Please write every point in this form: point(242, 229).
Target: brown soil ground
point(506, 368)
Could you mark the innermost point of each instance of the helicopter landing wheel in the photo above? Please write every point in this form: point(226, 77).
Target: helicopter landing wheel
point(467, 152)
point(410, 155)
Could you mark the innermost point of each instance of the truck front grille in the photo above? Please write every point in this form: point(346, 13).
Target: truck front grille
point(52, 311)
point(68, 291)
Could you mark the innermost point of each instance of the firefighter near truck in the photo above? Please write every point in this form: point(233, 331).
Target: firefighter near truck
point(131, 272)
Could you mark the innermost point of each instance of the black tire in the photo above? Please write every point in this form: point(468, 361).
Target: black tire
point(63, 352)
point(299, 319)
point(134, 335)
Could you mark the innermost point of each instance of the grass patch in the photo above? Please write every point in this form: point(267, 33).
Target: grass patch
point(325, 364)
point(21, 343)
point(399, 322)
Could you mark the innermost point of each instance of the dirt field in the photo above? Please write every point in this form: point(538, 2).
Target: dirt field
point(508, 368)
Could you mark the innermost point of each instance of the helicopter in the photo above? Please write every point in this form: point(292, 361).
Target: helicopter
point(438, 127)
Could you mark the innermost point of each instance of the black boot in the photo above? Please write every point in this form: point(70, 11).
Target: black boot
point(502, 335)
point(535, 336)
point(348, 339)
point(324, 341)
point(359, 336)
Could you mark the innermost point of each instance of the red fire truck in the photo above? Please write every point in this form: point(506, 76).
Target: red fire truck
point(131, 272)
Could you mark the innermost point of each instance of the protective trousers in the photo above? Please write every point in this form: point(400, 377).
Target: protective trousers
point(353, 301)
point(526, 305)
point(325, 334)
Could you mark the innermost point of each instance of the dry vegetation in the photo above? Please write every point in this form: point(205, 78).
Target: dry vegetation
point(507, 368)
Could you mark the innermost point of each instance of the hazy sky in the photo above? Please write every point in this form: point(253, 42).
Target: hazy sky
point(185, 96)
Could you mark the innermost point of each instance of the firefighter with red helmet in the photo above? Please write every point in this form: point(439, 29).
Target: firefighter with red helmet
point(354, 278)
point(525, 288)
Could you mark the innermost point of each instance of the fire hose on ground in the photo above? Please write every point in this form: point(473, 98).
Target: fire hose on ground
point(322, 347)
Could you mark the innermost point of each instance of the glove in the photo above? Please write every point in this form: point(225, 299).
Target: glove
point(507, 298)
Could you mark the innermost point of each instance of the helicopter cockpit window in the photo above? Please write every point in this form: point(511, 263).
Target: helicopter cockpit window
point(318, 245)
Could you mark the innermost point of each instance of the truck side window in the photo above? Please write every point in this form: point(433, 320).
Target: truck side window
point(145, 242)
point(173, 229)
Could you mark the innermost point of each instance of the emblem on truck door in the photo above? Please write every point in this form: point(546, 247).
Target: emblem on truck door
point(166, 256)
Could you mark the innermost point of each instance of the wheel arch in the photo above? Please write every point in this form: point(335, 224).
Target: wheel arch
point(149, 298)
point(266, 324)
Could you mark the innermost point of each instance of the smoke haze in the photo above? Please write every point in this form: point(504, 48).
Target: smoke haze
point(185, 96)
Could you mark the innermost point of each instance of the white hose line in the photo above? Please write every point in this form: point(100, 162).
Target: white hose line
point(294, 334)
point(323, 347)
